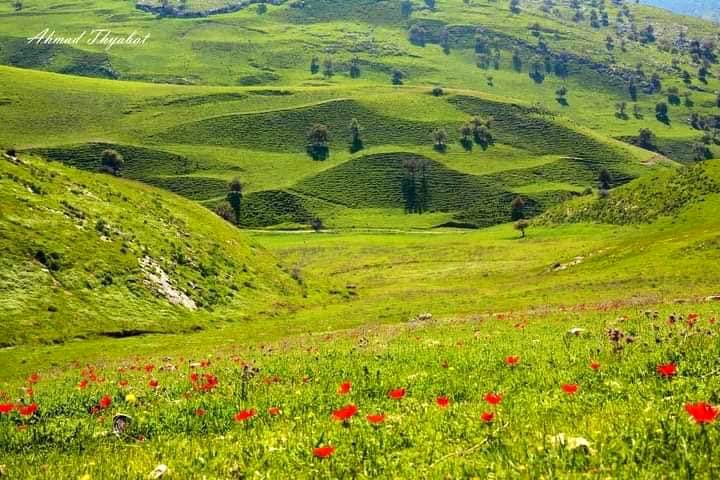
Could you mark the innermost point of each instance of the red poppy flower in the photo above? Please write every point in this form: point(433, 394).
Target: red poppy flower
point(345, 413)
point(27, 410)
point(200, 412)
point(123, 383)
point(702, 412)
point(153, 383)
point(442, 401)
point(204, 363)
point(149, 367)
point(34, 378)
point(493, 398)
point(83, 384)
point(376, 418)
point(29, 392)
point(487, 417)
point(210, 382)
point(194, 377)
point(396, 394)
point(105, 401)
point(323, 452)
point(6, 407)
point(667, 370)
point(273, 411)
point(344, 388)
point(570, 388)
point(512, 360)
point(595, 365)
point(245, 415)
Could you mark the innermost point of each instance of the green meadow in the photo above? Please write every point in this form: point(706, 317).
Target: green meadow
point(454, 254)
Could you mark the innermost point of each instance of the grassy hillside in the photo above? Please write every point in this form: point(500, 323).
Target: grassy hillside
point(87, 254)
point(237, 97)
point(645, 200)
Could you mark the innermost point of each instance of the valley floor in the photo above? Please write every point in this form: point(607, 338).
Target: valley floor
point(400, 394)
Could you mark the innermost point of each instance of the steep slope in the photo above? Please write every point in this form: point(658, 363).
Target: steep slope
point(88, 254)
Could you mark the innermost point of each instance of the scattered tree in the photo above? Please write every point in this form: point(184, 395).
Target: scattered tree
point(437, 92)
point(620, 112)
point(314, 65)
point(605, 179)
point(318, 142)
point(515, 6)
point(517, 61)
point(111, 162)
point(397, 77)
point(632, 90)
point(516, 208)
point(481, 132)
point(560, 95)
point(466, 133)
point(356, 143)
point(261, 8)
point(701, 152)
point(317, 224)
point(646, 139)
point(415, 186)
point(234, 198)
point(440, 138)
point(417, 35)
point(355, 67)
point(661, 112)
point(328, 71)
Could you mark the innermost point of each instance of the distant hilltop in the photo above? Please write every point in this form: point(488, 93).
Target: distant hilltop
point(708, 9)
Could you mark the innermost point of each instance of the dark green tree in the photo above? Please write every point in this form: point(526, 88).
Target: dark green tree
point(234, 197)
point(517, 207)
point(661, 112)
point(111, 161)
point(356, 143)
point(605, 179)
point(397, 77)
point(318, 142)
point(314, 65)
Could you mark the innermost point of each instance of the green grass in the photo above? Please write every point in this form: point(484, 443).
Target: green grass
point(73, 248)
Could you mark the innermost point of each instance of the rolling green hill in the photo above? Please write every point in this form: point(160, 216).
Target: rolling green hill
point(236, 96)
point(85, 254)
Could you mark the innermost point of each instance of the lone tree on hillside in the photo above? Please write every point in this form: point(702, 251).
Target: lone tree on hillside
point(356, 143)
point(111, 161)
point(621, 110)
point(355, 67)
point(604, 179)
point(415, 186)
point(646, 139)
point(314, 65)
point(517, 61)
point(328, 71)
point(397, 77)
point(661, 112)
point(481, 131)
point(318, 139)
point(466, 133)
point(561, 95)
point(440, 138)
point(234, 197)
point(516, 208)
point(515, 6)
point(521, 226)
point(317, 224)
